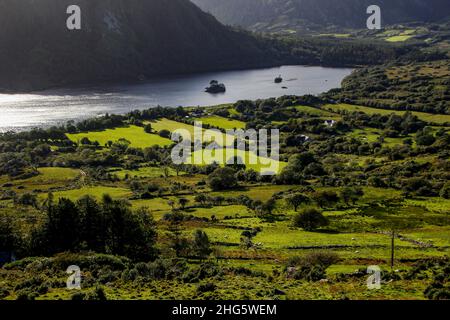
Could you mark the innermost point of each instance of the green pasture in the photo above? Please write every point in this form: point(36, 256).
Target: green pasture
point(48, 178)
point(223, 123)
point(316, 112)
point(401, 38)
point(188, 132)
point(143, 172)
point(134, 134)
point(428, 117)
point(223, 156)
point(94, 191)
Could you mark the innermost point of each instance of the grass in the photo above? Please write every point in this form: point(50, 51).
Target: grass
point(282, 236)
point(432, 204)
point(439, 236)
point(251, 161)
point(136, 135)
point(143, 172)
point(220, 212)
point(55, 173)
point(436, 69)
point(223, 123)
point(172, 126)
point(316, 112)
point(372, 135)
point(335, 35)
point(262, 193)
point(166, 124)
point(48, 178)
point(94, 191)
point(400, 38)
point(428, 117)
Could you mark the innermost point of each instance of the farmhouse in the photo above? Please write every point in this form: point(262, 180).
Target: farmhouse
point(330, 123)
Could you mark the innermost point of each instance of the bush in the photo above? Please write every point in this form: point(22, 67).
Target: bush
point(78, 296)
point(164, 133)
point(312, 267)
point(310, 219)
point(3, 293)
point(222, 179)
point(148, 128)
point(445, 191)
point(98, 294)
point(206, 287)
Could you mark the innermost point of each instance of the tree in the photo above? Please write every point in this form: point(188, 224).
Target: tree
point(164, 133)
point(201, 245)
point(148, 128)
point(93, 223)
point(325, 198)
point(201, 198)
point(85, 141)
point(8, 238)
point(27, 199)
point(299, 162)
point(351, 194)
point(62, 228)
point(297, 199)
point(183, 202)
point(310, 219)
point(425, 137)
point(445, 191)
point(109, 227)
point(269, 206)
point(222, 179)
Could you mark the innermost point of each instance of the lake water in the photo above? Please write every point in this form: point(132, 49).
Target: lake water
point(50, 107)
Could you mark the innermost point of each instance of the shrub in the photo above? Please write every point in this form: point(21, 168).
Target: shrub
point(206, 287)
point(164, 133)
point(310, 219)
point(222, 179)
point(78, 296)
point(445, 191)
point(311, 267)
point(97, 294)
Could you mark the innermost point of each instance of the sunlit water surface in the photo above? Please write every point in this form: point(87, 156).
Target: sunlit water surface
point(50, 107)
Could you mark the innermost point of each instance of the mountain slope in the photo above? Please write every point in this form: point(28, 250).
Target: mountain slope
point(119, 40)
point(343, 13)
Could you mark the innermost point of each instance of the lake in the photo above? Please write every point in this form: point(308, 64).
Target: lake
point(50, 107)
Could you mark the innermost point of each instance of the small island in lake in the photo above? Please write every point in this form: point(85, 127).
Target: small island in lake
point(215, 87)
point(278, 79)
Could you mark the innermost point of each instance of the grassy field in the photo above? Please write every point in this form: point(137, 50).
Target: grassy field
point(373, 135)
point(172, 126)
point(136, 135)
point(48, 178)
point(401, 38)
point(95, 191)
point(435, 69)
point(223, 123)
point(317, 112)
point(251, 161)
point(143, 172)
point(428, 117)
point(335, 35)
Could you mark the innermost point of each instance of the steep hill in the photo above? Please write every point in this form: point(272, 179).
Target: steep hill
point(119, 40)
point(265, 14)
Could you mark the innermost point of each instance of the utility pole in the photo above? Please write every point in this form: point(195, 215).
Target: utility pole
point(392, 249)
